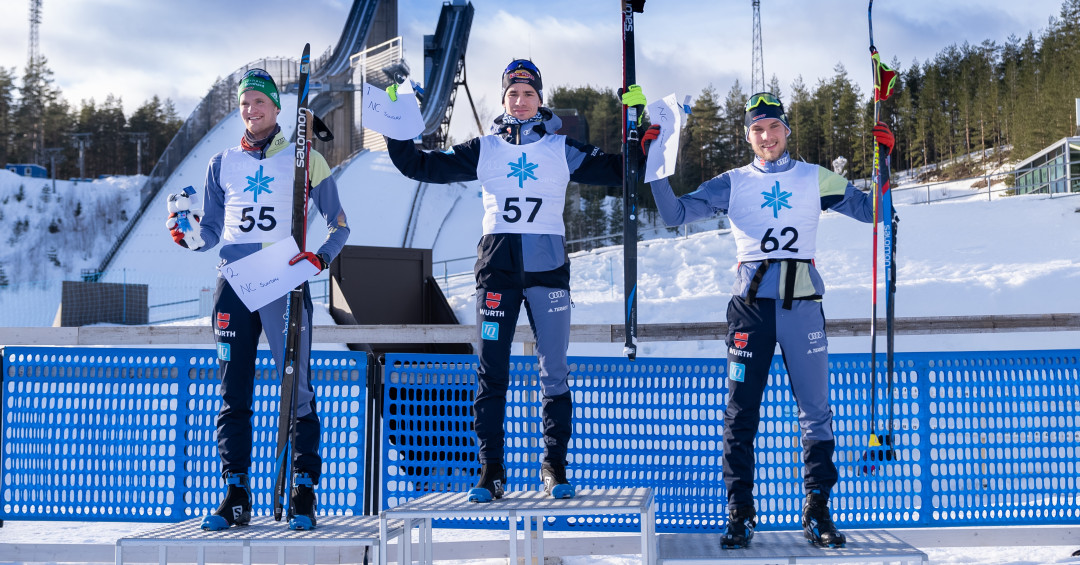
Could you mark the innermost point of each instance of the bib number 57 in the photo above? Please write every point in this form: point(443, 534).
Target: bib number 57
point(512, 212)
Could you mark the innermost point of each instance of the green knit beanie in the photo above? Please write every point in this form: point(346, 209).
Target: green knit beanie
point(260, 80)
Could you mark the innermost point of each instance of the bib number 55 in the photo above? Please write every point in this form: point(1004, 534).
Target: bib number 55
point(266, 221)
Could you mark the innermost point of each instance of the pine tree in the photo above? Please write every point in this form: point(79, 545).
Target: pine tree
point(732, 149)
point(7, 112)
point(698, 143)
point(799, 118)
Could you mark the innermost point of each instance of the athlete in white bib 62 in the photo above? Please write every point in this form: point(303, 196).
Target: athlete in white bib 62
point(774, 204)
point(523, 167)
point(248, 205)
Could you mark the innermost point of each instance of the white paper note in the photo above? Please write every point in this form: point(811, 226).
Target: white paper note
point(664, 150)
point(399, 119)
point(265, 276)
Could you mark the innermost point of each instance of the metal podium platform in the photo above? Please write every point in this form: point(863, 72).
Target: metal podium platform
point(530, 506)
point(337, 539)
point(788, 548)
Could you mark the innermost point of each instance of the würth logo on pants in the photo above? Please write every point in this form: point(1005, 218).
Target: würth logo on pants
point(493, 299)
point(740, 339)
point(223, 320)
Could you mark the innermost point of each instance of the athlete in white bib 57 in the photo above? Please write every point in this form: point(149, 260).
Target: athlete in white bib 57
point(523, 167)
point(774, 204)
point(248, 205)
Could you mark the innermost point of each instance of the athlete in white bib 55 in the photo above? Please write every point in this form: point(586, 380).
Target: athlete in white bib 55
point(774, 204)
point(248, 205)
point(523, 167)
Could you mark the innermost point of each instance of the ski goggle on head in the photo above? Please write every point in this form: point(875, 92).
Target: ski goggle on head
point(760, 98)
point(522, 64)
point(257, 73)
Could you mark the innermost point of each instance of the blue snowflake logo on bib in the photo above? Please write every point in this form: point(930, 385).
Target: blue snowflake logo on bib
point(777, 199)
point(259, 184)
point(522, 169)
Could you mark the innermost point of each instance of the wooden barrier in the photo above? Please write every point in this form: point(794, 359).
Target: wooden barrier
point(579, 333)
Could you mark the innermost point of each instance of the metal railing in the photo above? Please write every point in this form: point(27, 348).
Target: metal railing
point(579, 333)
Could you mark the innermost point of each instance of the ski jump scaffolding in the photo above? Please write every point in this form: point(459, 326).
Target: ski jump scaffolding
point(982, 439)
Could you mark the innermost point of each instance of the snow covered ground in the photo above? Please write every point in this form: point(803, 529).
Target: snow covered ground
point(971, 255)
point(106, 533)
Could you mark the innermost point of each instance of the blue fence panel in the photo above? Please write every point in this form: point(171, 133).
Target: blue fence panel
point(122, 434)
point(978, 437)
point(116, 434)
point(1003, 438)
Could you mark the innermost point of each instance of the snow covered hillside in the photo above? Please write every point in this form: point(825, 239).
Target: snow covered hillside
point(51, 235)
point(969, 256)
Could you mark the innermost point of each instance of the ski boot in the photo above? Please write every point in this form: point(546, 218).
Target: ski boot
point(302, 504)
point(490, 485)
point(235, 509)
point(554, 477)
point(740, 527)
point(817, 523)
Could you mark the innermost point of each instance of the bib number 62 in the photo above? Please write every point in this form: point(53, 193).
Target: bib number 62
point(770, 243)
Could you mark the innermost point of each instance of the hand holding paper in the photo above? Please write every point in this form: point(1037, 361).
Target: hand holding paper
point(663, 152)
point(399, 118)
point(266, 275)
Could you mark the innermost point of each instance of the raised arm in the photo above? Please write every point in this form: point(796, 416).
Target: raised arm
point(710, 199)
point(458, 164)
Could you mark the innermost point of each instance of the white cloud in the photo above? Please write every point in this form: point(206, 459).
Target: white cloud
point(137, 49)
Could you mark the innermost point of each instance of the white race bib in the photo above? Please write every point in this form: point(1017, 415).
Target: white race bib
point(775, 215)
point(258, 196)
point(524, 186)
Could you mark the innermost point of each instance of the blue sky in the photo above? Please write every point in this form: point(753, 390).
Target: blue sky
point(135, 49)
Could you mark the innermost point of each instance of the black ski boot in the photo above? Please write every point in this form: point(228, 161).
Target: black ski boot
point(553, 476)
point(740, 527)
point(491, 483)
point(818, 524)
point(235, 509)
point(302, 503)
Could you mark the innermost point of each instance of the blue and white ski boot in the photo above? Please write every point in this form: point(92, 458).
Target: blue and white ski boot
point(554, 477)
point(490, 485)
point(235, 509)
point(817, 523)
point(740, 527)
point(302, 503)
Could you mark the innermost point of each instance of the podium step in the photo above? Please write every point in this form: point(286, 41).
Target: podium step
point(787, 548)
point(337, 539)
point(532, 502)
point(531, 507)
